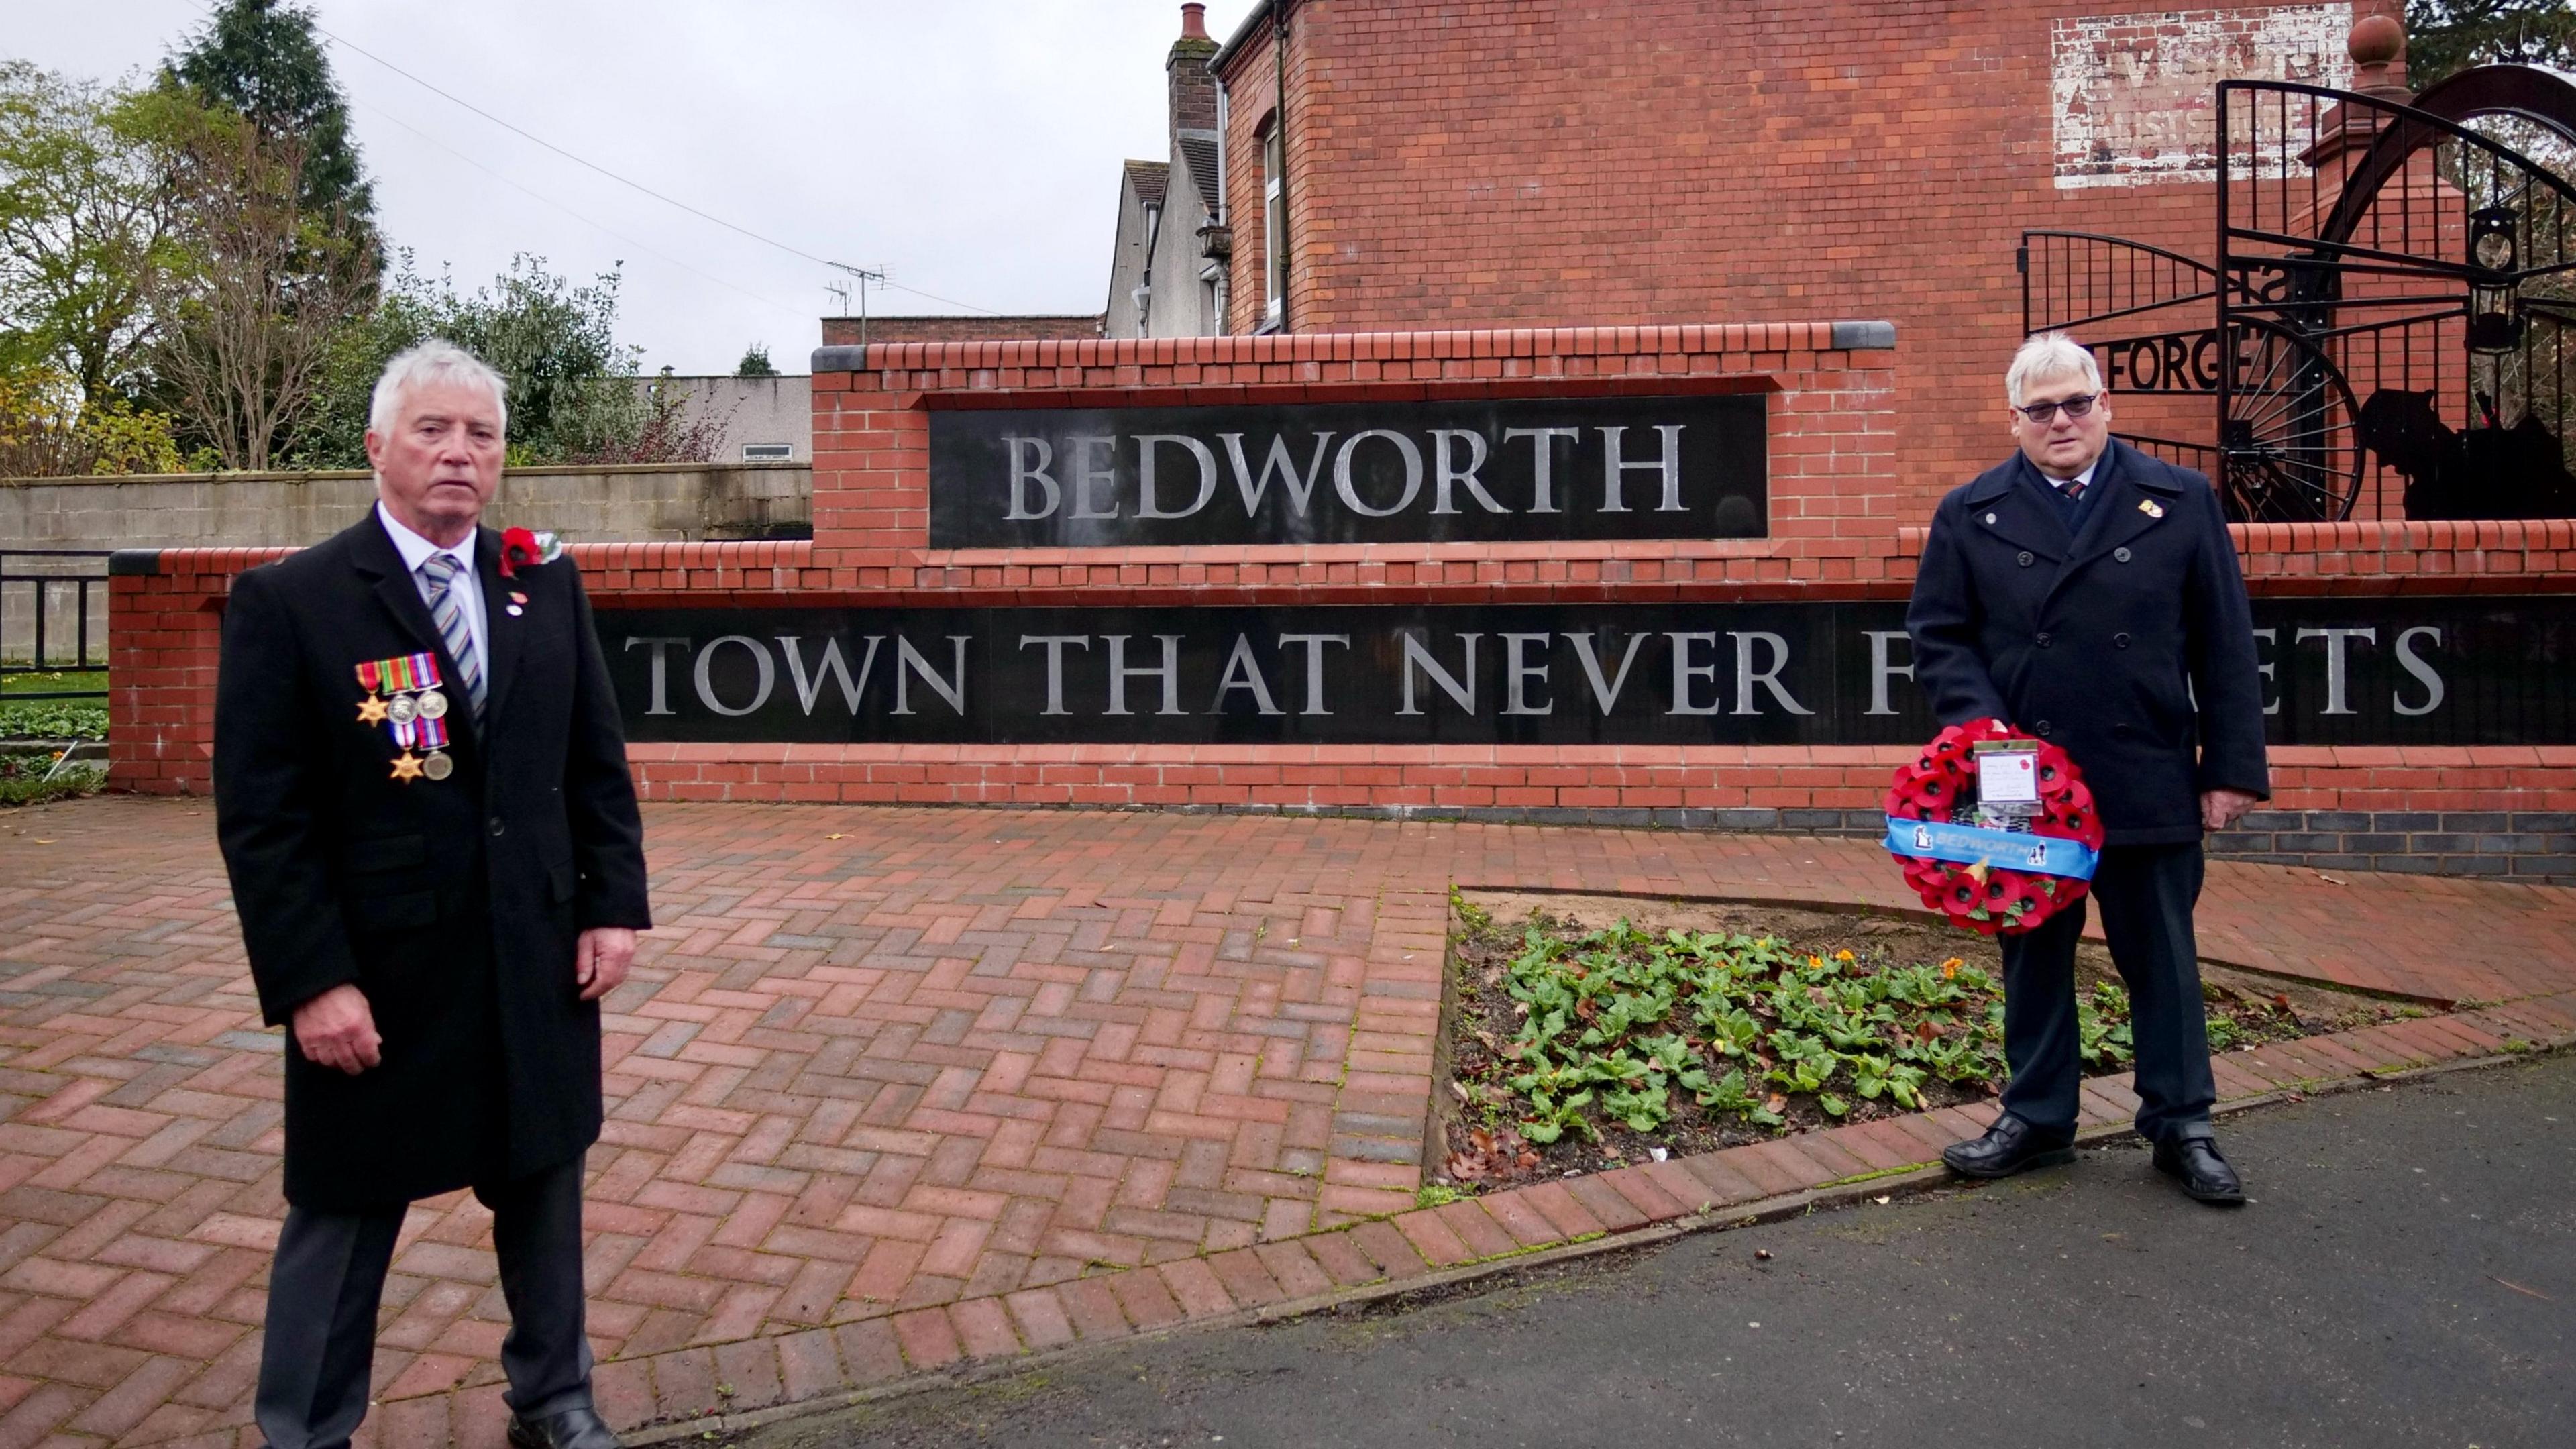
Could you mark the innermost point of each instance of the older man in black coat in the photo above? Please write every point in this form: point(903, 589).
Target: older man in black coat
point(421, 792)
point(2089, 594)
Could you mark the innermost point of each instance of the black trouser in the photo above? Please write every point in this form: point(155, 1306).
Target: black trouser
point(2146, 894)
point(330, 1273)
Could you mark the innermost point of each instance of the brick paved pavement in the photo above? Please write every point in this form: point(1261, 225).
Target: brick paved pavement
point(893, 1088)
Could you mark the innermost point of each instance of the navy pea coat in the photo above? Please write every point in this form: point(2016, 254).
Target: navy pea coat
point(2129, 643)
point(454, 905)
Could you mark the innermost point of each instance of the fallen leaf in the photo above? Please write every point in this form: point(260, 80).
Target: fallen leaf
point(1883, 1201)
point(1779, 1102)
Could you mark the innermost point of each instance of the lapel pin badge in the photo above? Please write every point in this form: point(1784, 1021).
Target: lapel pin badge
point(1990, 518)
point(2151, 508)
point(518, 604)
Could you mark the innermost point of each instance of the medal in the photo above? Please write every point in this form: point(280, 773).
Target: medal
point(433, 738)
point(404, 695)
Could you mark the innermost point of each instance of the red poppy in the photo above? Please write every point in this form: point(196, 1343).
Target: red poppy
point(2004, 901)
point(519, 546)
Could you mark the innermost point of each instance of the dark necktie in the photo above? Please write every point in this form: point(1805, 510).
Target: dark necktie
point(2074, 490)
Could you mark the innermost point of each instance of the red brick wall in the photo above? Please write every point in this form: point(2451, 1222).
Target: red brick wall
point(1834, 499)
point(1840, 528)
point(1463, 163)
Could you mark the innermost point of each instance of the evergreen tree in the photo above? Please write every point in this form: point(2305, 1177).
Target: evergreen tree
point(2444, 37)
point(263, 60)
point(755, 362)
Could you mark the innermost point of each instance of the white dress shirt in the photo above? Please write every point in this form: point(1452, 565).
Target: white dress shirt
point(415, 551)
point(2085, 477)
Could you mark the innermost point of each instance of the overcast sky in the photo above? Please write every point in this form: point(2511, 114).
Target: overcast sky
point(968, 148)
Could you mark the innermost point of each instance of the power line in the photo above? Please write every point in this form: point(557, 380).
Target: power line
point(575, 215)
point(623, 181)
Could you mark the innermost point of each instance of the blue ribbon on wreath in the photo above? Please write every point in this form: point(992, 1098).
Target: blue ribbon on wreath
point(2003, 849)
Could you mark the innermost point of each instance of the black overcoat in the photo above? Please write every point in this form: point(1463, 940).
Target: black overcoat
point(453, 904)
point(2099, 641)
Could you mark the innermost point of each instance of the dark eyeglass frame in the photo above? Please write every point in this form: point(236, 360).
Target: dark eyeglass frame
point(2045, 413)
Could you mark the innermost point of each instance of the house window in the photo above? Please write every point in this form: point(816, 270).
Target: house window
point(756, 452)
point(1274, 227)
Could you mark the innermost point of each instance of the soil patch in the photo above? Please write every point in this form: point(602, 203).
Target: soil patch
point(1708, 1025)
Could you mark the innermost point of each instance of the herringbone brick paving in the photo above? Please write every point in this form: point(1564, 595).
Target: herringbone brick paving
point(878, 1061)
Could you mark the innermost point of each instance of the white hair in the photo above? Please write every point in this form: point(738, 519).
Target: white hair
point(435, 361)
point(2049, 355)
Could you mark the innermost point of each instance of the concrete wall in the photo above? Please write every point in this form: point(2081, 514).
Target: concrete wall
point(755, 410)
point(667, 502)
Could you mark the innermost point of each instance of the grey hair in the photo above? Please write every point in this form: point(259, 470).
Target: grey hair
point(2047, 355)
point(435, 361)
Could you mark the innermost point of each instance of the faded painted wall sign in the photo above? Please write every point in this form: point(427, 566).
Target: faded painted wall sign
point(2133, 95)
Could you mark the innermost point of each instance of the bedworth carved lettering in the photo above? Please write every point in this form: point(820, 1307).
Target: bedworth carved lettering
point(1522, 470)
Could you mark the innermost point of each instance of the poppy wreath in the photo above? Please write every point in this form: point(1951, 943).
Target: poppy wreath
point(1984, 898)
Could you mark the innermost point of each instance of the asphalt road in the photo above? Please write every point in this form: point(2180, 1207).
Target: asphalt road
point(2406, 1275)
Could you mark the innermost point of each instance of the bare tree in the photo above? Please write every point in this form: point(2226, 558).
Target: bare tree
point(266, 285)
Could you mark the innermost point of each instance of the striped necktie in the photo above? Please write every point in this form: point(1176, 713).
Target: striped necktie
point(447, 610)
point(2074, 490)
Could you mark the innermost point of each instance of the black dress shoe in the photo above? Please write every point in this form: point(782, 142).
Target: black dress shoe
point(571, 1429)
point(2011, 1145)
point(2205, 1176)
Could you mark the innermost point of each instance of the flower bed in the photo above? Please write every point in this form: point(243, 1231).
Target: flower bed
point(1574, 1046)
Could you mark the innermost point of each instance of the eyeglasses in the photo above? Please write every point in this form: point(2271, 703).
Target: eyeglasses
point(2046, 413)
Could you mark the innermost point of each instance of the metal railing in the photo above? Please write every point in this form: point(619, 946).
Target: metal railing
point(38, 588)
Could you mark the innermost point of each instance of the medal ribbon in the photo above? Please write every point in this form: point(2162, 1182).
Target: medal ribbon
point(433, 733)
point(2005, 849)
point(369, 673)
point(423, 667)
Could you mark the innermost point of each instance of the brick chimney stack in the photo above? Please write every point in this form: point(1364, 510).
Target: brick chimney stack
point(1193, 87)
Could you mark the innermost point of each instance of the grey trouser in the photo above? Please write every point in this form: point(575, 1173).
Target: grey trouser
point(330, 1273)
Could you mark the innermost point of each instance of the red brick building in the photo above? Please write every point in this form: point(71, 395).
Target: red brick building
point(1543, 163)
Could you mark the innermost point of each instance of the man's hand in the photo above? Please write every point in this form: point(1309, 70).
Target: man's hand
point(338, 1029)
point(2220, 808)
point(599, 963)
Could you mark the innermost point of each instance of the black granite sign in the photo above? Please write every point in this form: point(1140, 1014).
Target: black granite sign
point(2337, 671)
point(1398, 472)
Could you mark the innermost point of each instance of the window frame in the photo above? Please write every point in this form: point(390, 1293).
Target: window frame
point(1274, 225)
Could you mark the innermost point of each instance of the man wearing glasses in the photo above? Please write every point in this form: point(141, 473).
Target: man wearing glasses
point(2088, 594)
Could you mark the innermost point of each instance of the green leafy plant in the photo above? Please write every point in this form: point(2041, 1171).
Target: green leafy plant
point(1552, 1119)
